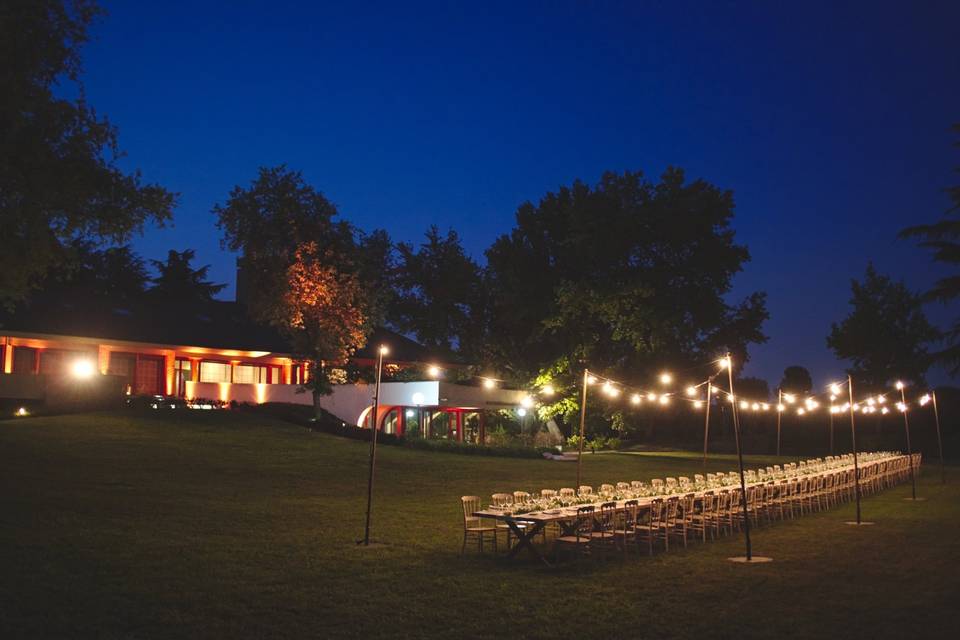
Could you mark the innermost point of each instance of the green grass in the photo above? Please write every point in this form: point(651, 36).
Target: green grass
point(229, 525)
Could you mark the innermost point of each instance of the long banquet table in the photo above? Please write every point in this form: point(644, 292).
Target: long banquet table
point(525, 526)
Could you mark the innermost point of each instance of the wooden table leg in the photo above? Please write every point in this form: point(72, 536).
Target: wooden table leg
point(524, 537)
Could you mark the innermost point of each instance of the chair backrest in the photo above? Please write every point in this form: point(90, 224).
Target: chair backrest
point(698, 478)
point(567, 492)
point(521, 496)
point(584, 523)
point(585, 490)
point(686, 505)
point(470, 504)
point(656, 511)
point(608, 514)
point(630, 510)
point(670, 511)
point(548, 493)
point(502, 499)
point(708, 502)
point(637, 484)
point(607, 489)
point(623, 486)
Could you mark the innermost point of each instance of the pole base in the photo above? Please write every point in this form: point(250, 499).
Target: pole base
point(861, 523)
point(752, 560)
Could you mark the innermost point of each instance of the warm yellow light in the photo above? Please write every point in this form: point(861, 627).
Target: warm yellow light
point(725, 362)
point(835, 389)
point(548, 390)
point(613, 392)
point(664, 399)
point(790, 398)
point(884, 411)
point(526, 402)
point(665, 378)
point(755, 406)
point(881, 399)
point(635, 398)
point(871, 401)
point(384, 350)
point(698, 404)
point(488, 383)
point(781, 408)
point(730, 398)
point(764, 406)
point(744, 404)
point(22, 411)
point(607, 386)
point(901, 407)
point(591, 379)
point(82, 369)
point(800, 411)
point(924, 399)
point(899, 385)
point(434, 371)
point(832, 397)
point(651, 396)
point(691, 391)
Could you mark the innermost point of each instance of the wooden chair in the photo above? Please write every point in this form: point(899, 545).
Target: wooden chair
point(703, 520)
point(474, 527)
point(626, 530)
point(602, 537)
point(684, 508)
point(579, 542)
point(566, 492)
point(548, 493)
point(652, 530)
point(585, 490)
point(671, 509)
point(607, 489)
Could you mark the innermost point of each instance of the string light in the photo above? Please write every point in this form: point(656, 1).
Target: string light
point(698, 404)
point(651, 396)
point(725, 362)
point(800, 411)
point(636, 399)
point(488, 383)
point(548, 390)
point(790, 398)
point(665, 378)
point(781, 408)
point(526, 402)
point(591, 379)
point(924, 399)
point(835, 389)
point(899, 385)
point(664, 399)
point(744, 404)
point(881, 399)
point(901, 407)
point(434, 371)
point(755, 406)
point(691, 391)
point(884, 410)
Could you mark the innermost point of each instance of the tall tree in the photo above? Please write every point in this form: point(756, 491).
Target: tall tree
point(753, 388)
point(438, 288)
point(943, 239)
point(177, 281)
point(886, 334)
point(59, 177)
point(796, 379)
point(87, 275)
point(322, 311)
point(293, 245)
point(625, 276)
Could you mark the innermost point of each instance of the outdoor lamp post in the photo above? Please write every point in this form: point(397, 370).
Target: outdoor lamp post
point(749, 558)
point(706, 426)
point(936, 419)
point(906, 428)
point(583, 417)
point(382, 351)
point(856, 467)
point(779, 417)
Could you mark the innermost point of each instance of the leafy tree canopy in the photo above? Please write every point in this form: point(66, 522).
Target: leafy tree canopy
point(628, 276)
point(85, 274)
point(796, 379)
point(753, 388)
point(886, 334)
point(59, 178)
point(439, 292)
point(943, 240)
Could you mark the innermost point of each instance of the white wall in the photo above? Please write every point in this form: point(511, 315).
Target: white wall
point(346, 402)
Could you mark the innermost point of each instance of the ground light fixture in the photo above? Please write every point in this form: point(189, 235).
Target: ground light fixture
point(21, 412)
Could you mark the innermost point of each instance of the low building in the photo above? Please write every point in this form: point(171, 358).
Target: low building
point(218, 353)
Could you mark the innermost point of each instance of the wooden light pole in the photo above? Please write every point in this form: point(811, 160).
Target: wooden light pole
point(382, 351)
point(779, 416)
point(749, 558)
point(706, 426)
point(583, 417)
point(856, 467)
point(906, 428)
point(936, 418)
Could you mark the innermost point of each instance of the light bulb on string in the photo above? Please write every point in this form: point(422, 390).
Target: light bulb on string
point(665, 378)
point(635, 398)
point(924, 399)
point(691, 391)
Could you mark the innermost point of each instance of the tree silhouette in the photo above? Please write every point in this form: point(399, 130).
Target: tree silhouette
point(943, 239)
point(885, 335)
point(625, 275)
point(796, 379)
point(438, 291)
point(178, 282)
point(59, 177)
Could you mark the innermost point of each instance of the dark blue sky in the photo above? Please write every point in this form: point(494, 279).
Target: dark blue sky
point(829, 121)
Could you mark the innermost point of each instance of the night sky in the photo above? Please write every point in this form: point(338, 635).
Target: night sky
point(829, 123)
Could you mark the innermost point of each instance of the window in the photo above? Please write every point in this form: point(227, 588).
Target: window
point(250, 373)
point(214, 371)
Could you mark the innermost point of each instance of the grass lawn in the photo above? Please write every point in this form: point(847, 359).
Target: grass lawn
point(223, 524)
